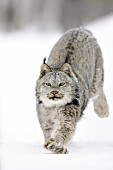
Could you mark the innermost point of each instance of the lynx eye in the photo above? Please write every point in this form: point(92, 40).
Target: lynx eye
point(61, 84)
point(48, 84)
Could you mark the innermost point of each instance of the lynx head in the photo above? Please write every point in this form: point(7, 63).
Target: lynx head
point(57, 87)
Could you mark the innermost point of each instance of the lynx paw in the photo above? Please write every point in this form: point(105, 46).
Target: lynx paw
point(101, 109)
point(54, 146)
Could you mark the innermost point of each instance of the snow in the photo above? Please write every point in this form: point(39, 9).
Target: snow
point(21, 54)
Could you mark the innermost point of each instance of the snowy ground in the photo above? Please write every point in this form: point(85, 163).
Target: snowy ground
point(21, 55)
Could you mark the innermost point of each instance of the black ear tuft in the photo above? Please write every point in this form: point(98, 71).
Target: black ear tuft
point(44, 60)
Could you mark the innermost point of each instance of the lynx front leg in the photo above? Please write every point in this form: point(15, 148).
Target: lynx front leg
point(53, 145)
point(63, 130)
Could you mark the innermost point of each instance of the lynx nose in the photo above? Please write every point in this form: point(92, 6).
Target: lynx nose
point(54, 92)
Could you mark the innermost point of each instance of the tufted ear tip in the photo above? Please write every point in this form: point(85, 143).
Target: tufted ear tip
point(44, 60)
point(44, 69)
point(66, 68)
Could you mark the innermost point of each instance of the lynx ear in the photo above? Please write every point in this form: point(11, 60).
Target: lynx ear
point(44, 70)
point(67, 69)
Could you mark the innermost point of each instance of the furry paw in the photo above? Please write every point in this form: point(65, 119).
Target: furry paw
point(101, 109)
point(55, 147)
point(101, 106)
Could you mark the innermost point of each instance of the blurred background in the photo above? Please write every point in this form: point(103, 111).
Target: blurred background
point(49, 14)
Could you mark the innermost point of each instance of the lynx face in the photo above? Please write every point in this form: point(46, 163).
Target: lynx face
point(55, 87)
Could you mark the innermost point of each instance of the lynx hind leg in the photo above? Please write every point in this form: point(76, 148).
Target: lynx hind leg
point(97, 93)
point(100, 105)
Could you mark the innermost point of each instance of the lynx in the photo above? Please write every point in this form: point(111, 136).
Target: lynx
point(72, 75)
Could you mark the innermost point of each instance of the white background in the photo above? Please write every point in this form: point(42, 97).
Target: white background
point(21, 54)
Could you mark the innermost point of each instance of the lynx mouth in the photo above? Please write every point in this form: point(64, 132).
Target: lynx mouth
point(55, 98)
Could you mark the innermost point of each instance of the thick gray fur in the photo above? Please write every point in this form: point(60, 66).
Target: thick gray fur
point(73, 74)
